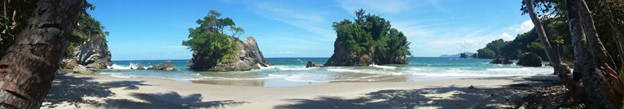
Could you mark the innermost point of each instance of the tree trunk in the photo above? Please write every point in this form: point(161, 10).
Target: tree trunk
point(596, 47)
point(4, 3)
point(27, 69)
point(561, 70)
point(584, 63)
point(618, 35)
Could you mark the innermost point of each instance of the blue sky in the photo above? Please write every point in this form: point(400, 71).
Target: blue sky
point(155, 29)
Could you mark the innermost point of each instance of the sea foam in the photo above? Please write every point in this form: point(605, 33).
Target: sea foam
point(382, 67)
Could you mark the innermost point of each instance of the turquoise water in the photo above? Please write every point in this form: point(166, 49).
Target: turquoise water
point(292, 72)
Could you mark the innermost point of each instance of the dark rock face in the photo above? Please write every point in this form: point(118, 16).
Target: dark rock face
point(343, 57)
point(93, 53)
point(463, 55)
point(312, 64)
point(166, 66)
point(530, 60)
point(501, 60)
point(249, 58)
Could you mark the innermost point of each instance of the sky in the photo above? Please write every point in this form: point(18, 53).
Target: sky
point(155, 29)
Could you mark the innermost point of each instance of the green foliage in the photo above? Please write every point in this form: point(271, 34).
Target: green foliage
point(560, 31)
point(371, 33)
point(210, 41)
point(486, 53)
point(529, 43)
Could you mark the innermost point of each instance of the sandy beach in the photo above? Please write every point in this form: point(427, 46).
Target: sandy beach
point(102, 91)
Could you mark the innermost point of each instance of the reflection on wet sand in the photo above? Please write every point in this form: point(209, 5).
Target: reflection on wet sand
point(258, 83)
point(278, 83)
point(380, 78)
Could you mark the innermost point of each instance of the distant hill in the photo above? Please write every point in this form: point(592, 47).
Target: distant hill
point(456, 55)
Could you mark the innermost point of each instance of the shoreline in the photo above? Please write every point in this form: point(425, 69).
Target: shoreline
point(103, 91)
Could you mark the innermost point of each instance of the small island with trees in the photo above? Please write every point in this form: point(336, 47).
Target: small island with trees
point(216, 50)
point(368, 39)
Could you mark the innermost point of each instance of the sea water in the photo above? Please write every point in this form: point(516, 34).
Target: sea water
point(292, 72)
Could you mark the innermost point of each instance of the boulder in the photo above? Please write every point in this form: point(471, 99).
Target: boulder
point(249, 58)
point(463, 55)
point(93, 53)
point(166, 66)
point(530, 60)
point(501, 60)
point(69, 63)
point(312, 64)
point(138, 67)
point(81, 69)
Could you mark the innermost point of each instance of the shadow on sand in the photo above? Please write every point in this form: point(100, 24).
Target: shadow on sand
point(169, 100)
point(71, 90)
point(509, 96)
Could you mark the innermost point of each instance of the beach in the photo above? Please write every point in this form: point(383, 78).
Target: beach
point(103, 91)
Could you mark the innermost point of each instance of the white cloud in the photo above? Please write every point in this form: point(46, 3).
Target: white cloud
point(309, 20)
point(524, 27)
point(505, 36)
point(392, 7)
point(383, 6)
point(417, 28)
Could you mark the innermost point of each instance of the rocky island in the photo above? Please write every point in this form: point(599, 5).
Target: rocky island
point(369, 39)
point(214, 50)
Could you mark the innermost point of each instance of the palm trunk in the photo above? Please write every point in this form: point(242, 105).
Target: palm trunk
point(583, 62)
point(27, 70)
point(597, 48)
point(560, 69)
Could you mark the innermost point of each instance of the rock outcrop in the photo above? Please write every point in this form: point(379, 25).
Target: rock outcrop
point(93, 53)
point(312, 64)
point(138, 67)
point(501, 60)
point(463, 55)
point(81, 69)
point(249, 58)
point(344, 57)
point(530, 60)
point(69, 63)
point(166, 66)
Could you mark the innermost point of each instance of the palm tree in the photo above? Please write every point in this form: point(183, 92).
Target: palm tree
point(28, 68)
point(560, 69)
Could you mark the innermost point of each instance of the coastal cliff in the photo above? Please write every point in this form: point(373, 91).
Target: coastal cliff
point(93, 53)
point(369, 39)
point(249, 57)
point(87, 45)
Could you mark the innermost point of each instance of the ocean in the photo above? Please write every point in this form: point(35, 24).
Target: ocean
point(288, 72)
